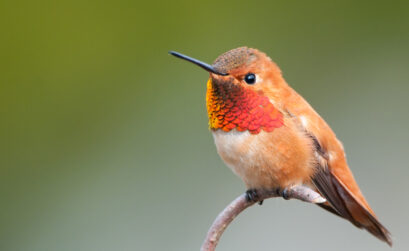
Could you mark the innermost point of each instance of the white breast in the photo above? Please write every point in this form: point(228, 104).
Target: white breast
point(267, 159)
point(237, 150)
point(229, 144)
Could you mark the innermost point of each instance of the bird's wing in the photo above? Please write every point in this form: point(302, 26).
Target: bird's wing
point(347, 205)
point(335, 181)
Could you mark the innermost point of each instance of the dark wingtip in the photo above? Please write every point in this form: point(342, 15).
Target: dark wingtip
point(330, 186)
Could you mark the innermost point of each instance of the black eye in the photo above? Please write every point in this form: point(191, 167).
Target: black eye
point(250, 78)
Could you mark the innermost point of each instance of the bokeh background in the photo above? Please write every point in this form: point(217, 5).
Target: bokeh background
point(104, 143)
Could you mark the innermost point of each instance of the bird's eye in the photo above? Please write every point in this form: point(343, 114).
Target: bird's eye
point(250, 78)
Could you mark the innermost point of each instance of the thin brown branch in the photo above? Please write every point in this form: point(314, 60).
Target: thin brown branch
point(241, 203)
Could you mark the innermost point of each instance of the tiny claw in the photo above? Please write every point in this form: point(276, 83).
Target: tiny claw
point(251, 195)
point(285, 194)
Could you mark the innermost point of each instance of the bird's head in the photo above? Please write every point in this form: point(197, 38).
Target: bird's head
point(241, 90)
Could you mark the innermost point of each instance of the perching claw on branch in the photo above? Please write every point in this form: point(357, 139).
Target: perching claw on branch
point(242, 202)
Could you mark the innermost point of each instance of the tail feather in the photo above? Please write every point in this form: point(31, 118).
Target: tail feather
point(348, 206)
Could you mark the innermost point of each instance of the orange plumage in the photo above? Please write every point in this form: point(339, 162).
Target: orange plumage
point(272, 138)
point(233, 107)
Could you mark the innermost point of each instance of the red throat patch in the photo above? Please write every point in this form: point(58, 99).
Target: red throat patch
point(230, 106)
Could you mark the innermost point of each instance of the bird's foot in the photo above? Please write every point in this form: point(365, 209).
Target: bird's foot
point(252, 196)
point(284, 193)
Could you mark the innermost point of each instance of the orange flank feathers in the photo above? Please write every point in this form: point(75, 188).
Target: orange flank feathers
point(272, 138)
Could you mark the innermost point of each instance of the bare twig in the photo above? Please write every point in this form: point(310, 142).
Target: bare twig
point(241, 203)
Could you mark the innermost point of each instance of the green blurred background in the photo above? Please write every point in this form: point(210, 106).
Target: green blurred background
point(104, 143)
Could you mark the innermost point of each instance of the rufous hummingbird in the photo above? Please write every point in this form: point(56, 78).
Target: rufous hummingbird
point(272, 138)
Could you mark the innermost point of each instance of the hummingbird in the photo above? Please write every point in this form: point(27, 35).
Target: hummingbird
point(272, 138)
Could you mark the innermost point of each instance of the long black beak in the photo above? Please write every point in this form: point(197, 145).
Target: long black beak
point(205, 66)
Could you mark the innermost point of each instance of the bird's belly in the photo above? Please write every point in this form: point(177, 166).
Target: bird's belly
point(269, 159)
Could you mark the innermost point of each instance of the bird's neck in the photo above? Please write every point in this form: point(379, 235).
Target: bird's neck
point(230, 106)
